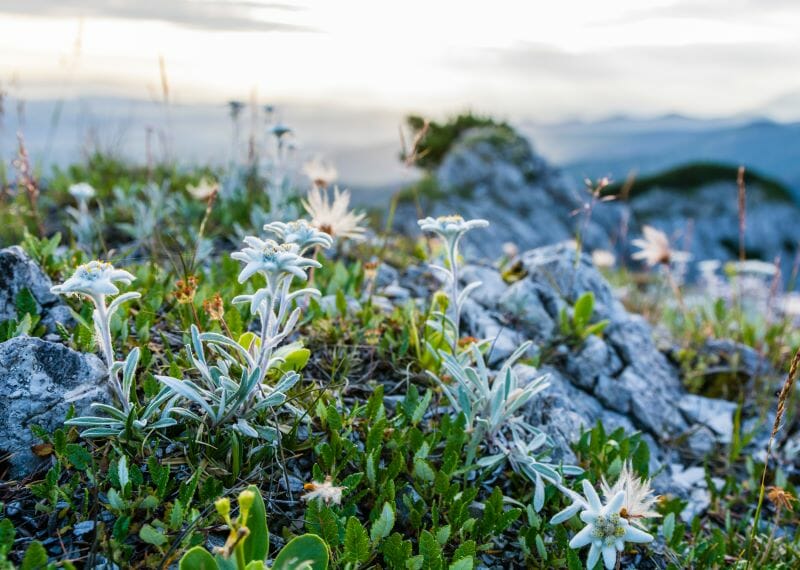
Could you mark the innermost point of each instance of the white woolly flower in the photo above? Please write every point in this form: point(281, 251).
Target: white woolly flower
point(603, 258)
point(639, 497)
point(300, 233)
point(333, 216)
point(450, 228)
point(203, 190)
point(655, 249)
point(754, 267)
point(271, 258)
point(82, 191)
point(327, 492)
point(321, 172)
point(94, 279)
point(606, 531)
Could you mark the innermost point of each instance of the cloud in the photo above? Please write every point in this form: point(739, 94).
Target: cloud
point(219, 15)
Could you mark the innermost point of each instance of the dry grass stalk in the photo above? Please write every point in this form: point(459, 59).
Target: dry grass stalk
point(26, 180)
point(742, 210)
point(783, 398)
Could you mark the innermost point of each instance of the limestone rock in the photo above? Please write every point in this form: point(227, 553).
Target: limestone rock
point(40, 381)
point(18, 272)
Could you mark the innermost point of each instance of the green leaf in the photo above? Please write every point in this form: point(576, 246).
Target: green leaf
point(356, 542)
point(256, 545)
point(152, 535)
point(443, 535)
point(582, 311)
point(198, 558)
point(573, 561)
point(322, 521)
point(7, 534)
point(26, 303)
point(669, 527)
point(78, 456)
point(176, 516)
point(35, 557)
point(384, 524)
point(396, 551)
point(463, 564)
point(421, 407)
point(431, 551)
point(341, 303)
point(423, 470)
point(122, 473)
point(308, 548)
point(23, 328)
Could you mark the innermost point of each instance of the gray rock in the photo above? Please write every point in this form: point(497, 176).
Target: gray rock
point(492, 284)
point(41, 380)
point(522, 304)
point(17, 272)
point(715, 414)
point(559, 269)
point(700, 442)
point(594, 359)
point(386, 275)
point(480, 323)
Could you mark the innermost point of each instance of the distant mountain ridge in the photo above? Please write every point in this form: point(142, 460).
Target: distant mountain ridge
point(619, 147)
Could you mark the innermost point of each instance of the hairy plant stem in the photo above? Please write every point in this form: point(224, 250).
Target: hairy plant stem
point(452, 255)
point(101, 321)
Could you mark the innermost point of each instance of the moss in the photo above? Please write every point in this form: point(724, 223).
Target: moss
point(440, 137)
point(689, 178)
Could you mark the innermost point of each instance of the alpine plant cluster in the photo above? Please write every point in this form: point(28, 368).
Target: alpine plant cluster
point(239, 385)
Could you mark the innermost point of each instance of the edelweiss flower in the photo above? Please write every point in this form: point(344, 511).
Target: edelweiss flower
point(753, 267)
point(333, 217)
point(300, 233)
point(450, 227)
point(639, 497)
point(606, 530)
point(82, 191)
point(321, 173)
point(603, 258)
point(270, 258)
point(204, 189)
point(94, 279)
point(326, 492)
point(655, 248)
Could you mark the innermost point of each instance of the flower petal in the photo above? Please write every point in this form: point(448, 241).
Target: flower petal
point(594, 556)
point(633, 534)
point(609, 557)
point(583, 538)
point(591, 496)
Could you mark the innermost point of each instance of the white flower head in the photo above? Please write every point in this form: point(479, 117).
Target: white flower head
point(271, 258)
point(510, 250)
point(327, 492)
point(753, 267)
point(655, 249)
point(334, 216)
point(203, 190)
point(450, 228)
point(300, 233)
point(606, 530)
point(639, 497)
point(94, 279)
point(603, 258)
point(82, 191)
point(321, 172)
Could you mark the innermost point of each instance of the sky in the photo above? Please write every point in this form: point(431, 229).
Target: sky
point(546, 61)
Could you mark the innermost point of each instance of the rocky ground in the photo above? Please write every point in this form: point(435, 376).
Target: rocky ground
point(499, 177)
